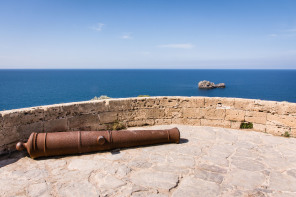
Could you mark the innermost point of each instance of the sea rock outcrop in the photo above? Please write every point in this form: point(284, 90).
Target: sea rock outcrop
point(210, 85)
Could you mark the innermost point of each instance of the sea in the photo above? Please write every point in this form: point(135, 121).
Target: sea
point(28, 88)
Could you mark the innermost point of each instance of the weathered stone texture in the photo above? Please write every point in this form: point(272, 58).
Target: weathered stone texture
point(153, 113)
point(84, 122)
point(143, 122)
point(285, 108)
point(195, 113)
point(215, 123)
point(244, 104)
point(277, 130)
point(107, 117)
point(163, 121)
point(56, 125)
point(256, 117)
point(174, 112)
point(169, 102)
point(259, 127)
point(120, 105)
point(235, 115)
point(214, 114)
point(267, 116)
point(21, 117)
point(127, 115)
point(235, 125)
point(219, 103)
point(281, 120)
point(186, 121)
point(54, 112)
point(293, 132)
point(192, 102)
point(1, 121)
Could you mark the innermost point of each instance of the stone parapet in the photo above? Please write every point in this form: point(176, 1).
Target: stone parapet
point(272, 117)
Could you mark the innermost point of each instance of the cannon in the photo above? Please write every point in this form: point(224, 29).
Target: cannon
point(75, 142)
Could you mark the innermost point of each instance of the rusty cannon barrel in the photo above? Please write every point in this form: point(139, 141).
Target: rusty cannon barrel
point(74, 142)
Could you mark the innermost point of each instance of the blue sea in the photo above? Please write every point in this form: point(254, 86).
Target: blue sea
point(27, 88)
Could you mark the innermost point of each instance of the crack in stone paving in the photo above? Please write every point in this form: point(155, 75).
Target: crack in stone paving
point(214, 162)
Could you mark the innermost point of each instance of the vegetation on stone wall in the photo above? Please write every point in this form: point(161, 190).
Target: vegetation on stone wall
point(246, 125)
point(286, 134)
point(100, 98)
point(116, 125)
point(143, 95)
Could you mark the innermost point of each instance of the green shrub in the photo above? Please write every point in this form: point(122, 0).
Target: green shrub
point(116, 126)
point(100, 98)
point(143, 96)
point(286, 134)
point(246, 125)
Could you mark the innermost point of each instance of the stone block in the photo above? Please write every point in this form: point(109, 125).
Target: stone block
point(265, 106)
point(10, 135)
point(56, 125)
point(120, 105)
point(140, 102)
point(137, 123)
point(107, 117)
point(215, 123)
point(174, 112)
point(259, 127)
point(277, 130)
point(285, 108)
point(151, 102)
point(194, 113)
point(214, 114)
point(163, 121)
point(153, 113)
point(255, 105)
point(235, 125)
point(281, 120)
point(293, 132)
point(127, 115)
point(54, 112)
point(1, 121)
point(186, 121)
point(256, 117)
point(235, 115)
point(2, 138)
point(244, 104)
point(169, 102)
point(83, 122)
point(24, 131)
point(89, 107)
point(23, 116)
point(192, 102)
point(219, 103)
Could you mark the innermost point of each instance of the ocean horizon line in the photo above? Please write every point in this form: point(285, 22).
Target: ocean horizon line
point(147, 69)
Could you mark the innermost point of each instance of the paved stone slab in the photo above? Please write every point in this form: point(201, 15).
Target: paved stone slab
point(208, 162)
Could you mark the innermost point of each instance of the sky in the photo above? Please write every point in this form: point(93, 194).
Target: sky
point(183, 34)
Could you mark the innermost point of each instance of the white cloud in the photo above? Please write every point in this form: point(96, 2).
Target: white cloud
point(127, 36)
point(98, 27)
point(177, 46)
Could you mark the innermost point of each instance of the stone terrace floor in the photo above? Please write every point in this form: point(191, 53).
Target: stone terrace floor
point(208, 162)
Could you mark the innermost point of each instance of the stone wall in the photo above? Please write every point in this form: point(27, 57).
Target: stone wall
point(267, 116)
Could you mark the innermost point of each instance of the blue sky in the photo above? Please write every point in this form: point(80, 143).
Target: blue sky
point(148, 34)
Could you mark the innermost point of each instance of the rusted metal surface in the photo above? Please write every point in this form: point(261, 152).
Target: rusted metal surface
point(64, 143)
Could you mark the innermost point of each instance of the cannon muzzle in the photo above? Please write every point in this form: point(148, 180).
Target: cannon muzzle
point(64, 143)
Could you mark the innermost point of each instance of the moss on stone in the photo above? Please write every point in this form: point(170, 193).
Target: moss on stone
point(246, 125)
